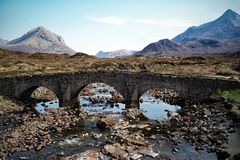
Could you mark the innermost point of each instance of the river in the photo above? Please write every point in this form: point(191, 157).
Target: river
point(83, 136)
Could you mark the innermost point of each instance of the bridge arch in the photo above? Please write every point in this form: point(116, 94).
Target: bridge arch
point(166, 95)
point(75, 95)
point(142, 88)
point(26, 94)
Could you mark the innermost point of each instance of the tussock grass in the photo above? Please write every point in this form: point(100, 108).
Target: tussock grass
point(17, 63)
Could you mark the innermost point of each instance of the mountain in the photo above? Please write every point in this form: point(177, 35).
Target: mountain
point(225, 27)
point(39, 40)
point(209, 46)
point(3, 41)
point(197, 46)
point(161, 47)
point(114, 54)
point(219, 36)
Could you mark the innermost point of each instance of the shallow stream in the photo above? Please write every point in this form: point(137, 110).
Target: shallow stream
point(81, 138)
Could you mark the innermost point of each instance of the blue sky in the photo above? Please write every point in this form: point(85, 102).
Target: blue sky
point(92, 25)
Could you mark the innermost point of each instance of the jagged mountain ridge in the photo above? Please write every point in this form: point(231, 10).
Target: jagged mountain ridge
point(219, 36)
point(226, 26)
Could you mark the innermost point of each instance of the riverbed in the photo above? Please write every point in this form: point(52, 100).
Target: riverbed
point(161, 135)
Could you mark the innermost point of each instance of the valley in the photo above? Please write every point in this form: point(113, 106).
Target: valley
point(102, 125)
point(119, 88)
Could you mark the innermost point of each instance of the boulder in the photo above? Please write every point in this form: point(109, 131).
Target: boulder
point(109, 122)
point(133, 114)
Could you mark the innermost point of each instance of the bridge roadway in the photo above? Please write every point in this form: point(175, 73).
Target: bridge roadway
point(131, 85)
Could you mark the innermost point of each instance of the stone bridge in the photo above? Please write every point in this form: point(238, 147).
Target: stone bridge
point(131, 85)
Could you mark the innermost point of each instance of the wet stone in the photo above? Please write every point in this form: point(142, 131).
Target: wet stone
point(133, 114)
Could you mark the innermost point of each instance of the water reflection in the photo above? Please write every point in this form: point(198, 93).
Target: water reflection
point(43, 106)
point(156, 109)
point(93, 109)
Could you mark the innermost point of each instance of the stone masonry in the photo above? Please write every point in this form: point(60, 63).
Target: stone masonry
point(131, 85)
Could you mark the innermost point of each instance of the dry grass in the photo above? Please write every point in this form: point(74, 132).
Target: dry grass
point(17, 63)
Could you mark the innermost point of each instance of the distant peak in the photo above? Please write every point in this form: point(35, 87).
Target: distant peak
point(36, 30)
point(122, 50)
point(119, 50)
point(39, 28)
point(39, 33)
point(229, 12)
point(164, 40)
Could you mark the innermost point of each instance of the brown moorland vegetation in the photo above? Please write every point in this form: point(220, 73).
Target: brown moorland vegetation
point(18, 63)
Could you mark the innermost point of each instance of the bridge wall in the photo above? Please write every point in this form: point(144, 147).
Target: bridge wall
point(67, 86)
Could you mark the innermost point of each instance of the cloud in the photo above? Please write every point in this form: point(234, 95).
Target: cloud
point(108, 20)
point(172, 23)
point(165, 22)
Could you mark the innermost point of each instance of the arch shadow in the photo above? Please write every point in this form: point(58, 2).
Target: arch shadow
point(26, 98)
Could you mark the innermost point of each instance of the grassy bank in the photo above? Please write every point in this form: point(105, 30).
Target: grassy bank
point(231, 95)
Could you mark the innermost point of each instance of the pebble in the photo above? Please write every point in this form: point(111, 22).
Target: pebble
point(174, 150)
point(24, 158)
